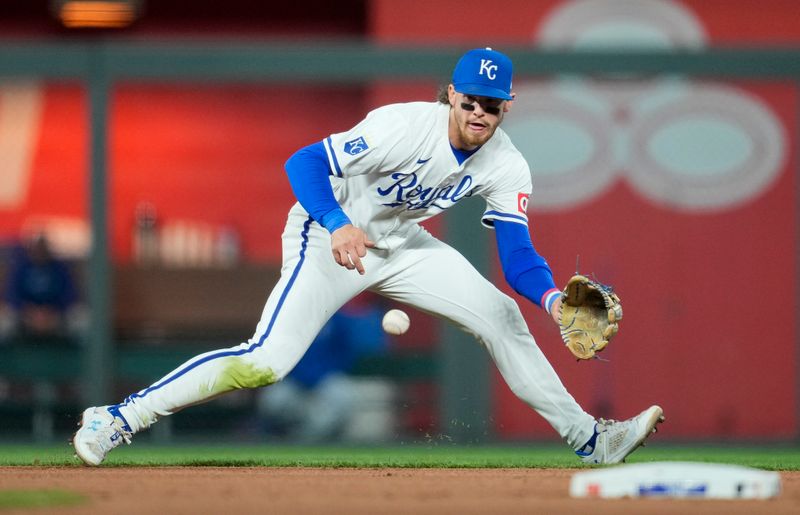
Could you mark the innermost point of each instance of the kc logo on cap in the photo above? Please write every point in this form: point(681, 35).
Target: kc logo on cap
point(489, 68)
point(484, 72)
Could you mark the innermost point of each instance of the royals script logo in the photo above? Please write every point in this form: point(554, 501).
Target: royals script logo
point(407, 190)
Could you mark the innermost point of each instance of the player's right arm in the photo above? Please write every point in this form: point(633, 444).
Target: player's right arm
point(308, 172)
point(370, 146)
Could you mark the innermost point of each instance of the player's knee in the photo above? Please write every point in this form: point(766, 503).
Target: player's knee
point(507, 311)
point(240, 372)
point(503, 316)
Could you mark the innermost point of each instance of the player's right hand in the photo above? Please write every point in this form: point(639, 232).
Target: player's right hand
point(349, 244)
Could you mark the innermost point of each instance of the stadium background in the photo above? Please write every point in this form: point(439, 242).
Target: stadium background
point(713, 232)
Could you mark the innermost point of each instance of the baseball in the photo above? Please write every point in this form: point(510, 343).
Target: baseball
point(395, 322)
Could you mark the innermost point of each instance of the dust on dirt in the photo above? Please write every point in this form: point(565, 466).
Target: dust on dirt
point(383, 491)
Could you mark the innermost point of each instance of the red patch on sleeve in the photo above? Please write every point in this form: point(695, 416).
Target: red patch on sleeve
point(522, 203)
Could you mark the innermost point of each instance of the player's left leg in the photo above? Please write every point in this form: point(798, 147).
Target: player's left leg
point(432, 276)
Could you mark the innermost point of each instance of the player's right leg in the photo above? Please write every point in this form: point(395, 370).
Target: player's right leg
point(432, 276)
point(435, 278)
point(311, 288)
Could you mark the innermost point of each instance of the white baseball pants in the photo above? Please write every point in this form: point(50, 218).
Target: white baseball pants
point(422, 272)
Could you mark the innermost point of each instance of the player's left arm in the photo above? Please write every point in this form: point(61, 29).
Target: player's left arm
point(507, 213)
point(527, 272)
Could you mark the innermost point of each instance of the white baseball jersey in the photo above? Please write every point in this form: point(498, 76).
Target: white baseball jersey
point(397, 168)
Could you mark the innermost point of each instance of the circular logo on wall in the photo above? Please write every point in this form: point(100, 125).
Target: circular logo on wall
point(684, 144)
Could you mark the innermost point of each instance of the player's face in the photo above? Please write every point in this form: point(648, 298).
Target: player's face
point(473, 119)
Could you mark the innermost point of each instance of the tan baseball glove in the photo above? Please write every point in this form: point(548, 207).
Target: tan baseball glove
point(589, 315)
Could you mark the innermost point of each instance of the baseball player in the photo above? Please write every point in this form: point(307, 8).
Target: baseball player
point(361, 195)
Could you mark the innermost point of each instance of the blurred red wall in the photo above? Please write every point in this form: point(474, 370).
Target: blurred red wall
point(709, 296)
point(701, 335)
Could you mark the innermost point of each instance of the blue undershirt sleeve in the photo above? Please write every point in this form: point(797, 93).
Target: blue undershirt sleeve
point(308, 173)
point(525, 270)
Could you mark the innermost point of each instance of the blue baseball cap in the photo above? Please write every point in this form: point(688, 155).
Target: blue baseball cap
point(484, 72)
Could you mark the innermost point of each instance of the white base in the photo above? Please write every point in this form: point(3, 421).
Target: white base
point(684, 480)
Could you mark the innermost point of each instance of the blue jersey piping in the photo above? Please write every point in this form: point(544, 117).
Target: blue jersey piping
point(333, 156)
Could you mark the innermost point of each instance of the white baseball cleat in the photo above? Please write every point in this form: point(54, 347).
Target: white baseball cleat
point(99, 433)
point(616, 440)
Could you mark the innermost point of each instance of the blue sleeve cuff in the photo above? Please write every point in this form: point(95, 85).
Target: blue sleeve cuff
point(334, 219)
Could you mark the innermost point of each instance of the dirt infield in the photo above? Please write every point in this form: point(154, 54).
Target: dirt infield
point(177, 490)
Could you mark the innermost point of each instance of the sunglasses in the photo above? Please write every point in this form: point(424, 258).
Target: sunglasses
point(489, 106)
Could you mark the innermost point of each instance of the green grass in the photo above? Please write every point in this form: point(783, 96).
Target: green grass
point(771, 457)
point(39, 498)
